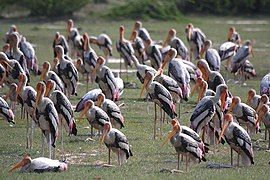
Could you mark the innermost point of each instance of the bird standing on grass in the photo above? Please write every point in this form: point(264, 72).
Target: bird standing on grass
point(116, 141)
point(239, 141)
point(184, 144)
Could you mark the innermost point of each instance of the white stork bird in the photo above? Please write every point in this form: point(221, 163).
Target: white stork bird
point(112, 109)
point(206, 109)
point(6, 112)
point(13, 69)
point(48, 74)
point(30, 56)
point(125, 49)
point(153, 53)
point(16, 53)
point(195, 38)
point(177, 44)
point(238, 139)
point(211, 56)
point(142, 69)
point(47, 118)
point(142, 32)
point(106, 80)
point(160, 96)
point(178, 71)
point(213, 78)
point(63, 108)
point(104, 42)
point(67, 72)
point(138, 46)
point(234, 36)
point(40, 165)
point(185, 145)
point(116, 141)
point(28, 95)
point(90, 95)
point(264, 116)
point(253, 99)
point(75, 40)
point(96, 116)
point(244, 114)
point(265, 85)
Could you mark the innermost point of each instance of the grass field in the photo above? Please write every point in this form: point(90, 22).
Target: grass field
point(149, 157)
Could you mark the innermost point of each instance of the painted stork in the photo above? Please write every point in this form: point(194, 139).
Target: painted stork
point(154, 54)
point(28, 95)
point(264, 100)
point(30, 56)
point(206, 108)
point(244, 114)
point(240, 57)
point(63, 108)
point(67, 72)
point(239, 141)
point(234, 36)
point(248, 70)
point(60, 40)
point(47, 118)
point(6, 112)
point(40, 165)
point(96, 116)
point(184, 144)
point(125, 49)
point(193, 70)
point(142, 69)
point(106, 80)
point(48, 74)
point(203, 91)
point(89, 57)
point(3, 74)
point(253, 99)
point(90, 95)
point(213, 78)
point(265, 85)
point(11, 94)
point(104, 42)
point(177, 44)
point(142, 32)
point(116, 141)
point(211, 56)
point(138, 46)
point(16, 53)
point(264, 116)
point(195, 38)
point(13, 69)
point(75, 40)
point(178, 71)
point(112, 109)
point(160, 96)
point(12, 28)
point(226, 51)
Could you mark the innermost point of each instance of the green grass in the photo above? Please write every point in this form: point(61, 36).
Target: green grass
point(149, 157)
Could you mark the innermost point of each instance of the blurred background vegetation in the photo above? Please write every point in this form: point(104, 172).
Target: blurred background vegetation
point(133, 9)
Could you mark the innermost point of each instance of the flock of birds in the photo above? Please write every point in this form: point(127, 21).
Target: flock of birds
point(49, 107)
